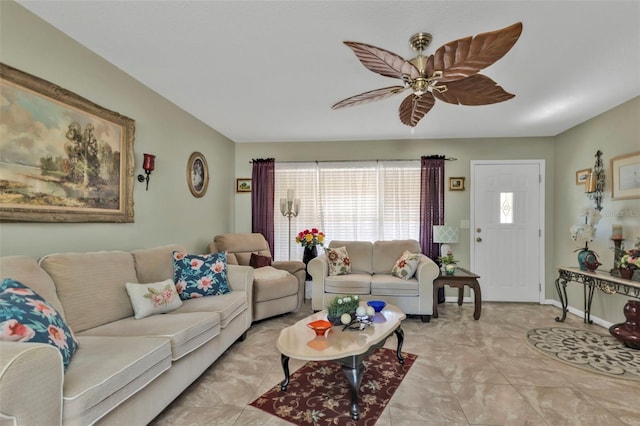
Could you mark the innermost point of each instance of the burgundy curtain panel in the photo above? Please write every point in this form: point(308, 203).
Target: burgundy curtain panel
point(262, 193)
point(431, 205)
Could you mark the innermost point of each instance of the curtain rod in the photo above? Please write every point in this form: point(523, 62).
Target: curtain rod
point(354, 161)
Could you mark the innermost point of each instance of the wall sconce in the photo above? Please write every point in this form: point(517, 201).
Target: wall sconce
point(148, 164)
point(594, 186)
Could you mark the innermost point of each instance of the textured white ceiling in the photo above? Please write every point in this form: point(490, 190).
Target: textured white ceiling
point(260, 71)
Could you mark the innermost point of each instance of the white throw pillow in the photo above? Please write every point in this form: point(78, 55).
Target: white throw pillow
point(406, 265)
point(153, 298)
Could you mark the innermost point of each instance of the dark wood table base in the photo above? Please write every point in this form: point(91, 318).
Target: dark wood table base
point(461, 278)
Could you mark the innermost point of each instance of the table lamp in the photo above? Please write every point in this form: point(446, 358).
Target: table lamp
point(445, 234)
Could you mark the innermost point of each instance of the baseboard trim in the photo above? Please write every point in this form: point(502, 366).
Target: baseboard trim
point(578, 313)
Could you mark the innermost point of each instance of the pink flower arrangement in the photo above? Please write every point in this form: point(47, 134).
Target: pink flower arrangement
point(310, 238)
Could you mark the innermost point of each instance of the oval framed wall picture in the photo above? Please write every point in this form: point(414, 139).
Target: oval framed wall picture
point(197, 174)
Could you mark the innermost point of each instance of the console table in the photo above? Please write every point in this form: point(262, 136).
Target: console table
point(601, 280)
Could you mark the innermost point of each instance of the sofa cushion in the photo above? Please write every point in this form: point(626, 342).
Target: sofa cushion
point(155, 264)
point(186, 331)
point(348, 284)
point(270, 289)
point(153, 298)
point(406, 265)
point(258, 261)
point(27, 271)
point(339, 261)
point(200, 276)
point(91, 286)
point(228, 306)
point(388, 285)
point(102, 375)
point(269, 273)
point(26, 317)
point(359, 255)
point(385, 253)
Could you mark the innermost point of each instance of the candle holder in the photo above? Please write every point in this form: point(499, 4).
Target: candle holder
point(148, 165)
point(618, 252)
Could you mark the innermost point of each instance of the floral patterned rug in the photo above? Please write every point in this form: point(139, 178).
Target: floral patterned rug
point(587, 350)
point(319, 393)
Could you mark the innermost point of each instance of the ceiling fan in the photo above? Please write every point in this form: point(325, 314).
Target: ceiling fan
point(450, 74)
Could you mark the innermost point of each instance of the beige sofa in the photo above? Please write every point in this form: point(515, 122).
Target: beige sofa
point(125, 371)
point(371, 278)
point(272, 294)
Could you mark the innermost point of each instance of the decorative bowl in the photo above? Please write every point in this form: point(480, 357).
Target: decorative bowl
point(377, 305)
point(319, 326)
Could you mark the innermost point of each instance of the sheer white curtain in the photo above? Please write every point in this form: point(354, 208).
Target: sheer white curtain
point(348, 200)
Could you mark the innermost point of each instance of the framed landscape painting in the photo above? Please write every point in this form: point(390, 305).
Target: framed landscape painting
point(62, 158)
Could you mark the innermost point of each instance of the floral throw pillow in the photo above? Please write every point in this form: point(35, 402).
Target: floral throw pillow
point(153, 298)
point(339, 262)
point(26, 317)
point(406, 265)
point(200, 275)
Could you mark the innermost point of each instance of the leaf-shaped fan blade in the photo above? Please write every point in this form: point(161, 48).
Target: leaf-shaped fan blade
point(374, 95)
point(413, 108)
point(382, 61)
point(464, 57)
point(475, 90)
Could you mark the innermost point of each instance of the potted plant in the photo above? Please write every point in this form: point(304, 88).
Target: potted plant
point(340, 306)
point(630, 261)
point(449, 263)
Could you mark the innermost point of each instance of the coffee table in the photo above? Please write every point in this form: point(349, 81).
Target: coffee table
point(349, 348)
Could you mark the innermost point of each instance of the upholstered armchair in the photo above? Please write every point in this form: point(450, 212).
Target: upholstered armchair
point(277, 289)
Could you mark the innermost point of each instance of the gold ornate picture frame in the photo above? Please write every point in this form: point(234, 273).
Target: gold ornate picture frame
point(197, 174)
point(243, 185)
point(63, 157)
point(456, 184)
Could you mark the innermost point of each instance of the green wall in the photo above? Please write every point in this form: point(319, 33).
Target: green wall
point(167, 213)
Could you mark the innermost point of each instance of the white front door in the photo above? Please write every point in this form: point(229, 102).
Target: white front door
point(506, 229)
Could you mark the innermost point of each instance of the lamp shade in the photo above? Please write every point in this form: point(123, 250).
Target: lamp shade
point(445, 234)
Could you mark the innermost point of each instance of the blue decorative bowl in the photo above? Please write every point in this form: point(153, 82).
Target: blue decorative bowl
point(377, 305)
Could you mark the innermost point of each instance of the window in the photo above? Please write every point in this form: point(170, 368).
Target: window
point(506, 207)
point(354, 200)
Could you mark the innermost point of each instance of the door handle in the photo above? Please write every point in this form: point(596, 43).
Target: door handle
point(479, 239)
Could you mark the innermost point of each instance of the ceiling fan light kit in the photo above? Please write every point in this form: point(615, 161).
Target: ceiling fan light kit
point(451, 74)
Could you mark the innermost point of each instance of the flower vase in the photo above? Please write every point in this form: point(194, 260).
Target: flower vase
point(309, 254)
point(628, 332)
point(450, 269)
point(626, 273)
point(588, 260)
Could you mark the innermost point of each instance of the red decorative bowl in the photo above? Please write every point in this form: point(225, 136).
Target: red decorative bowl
point(319, 326)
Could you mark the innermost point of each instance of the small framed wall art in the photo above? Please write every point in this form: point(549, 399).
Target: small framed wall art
point(243, 185)
point(197, 174)
point(456, 184)
point(625, 176)
point(582, 176)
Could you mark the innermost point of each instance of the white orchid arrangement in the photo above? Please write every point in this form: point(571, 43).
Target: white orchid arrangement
point(586, 231)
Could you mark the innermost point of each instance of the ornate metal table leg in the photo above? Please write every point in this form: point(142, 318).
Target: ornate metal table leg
point(561, 288)
point(588, 298)
point(400, 336)
point(354, 376)
point(284, 360)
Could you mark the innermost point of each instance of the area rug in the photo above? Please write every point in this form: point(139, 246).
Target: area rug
point(319, 393)
point(587, 350)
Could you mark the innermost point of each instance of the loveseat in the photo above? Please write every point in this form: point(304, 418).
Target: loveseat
point(278, 286)
point(125, 370)
point(370, 276)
